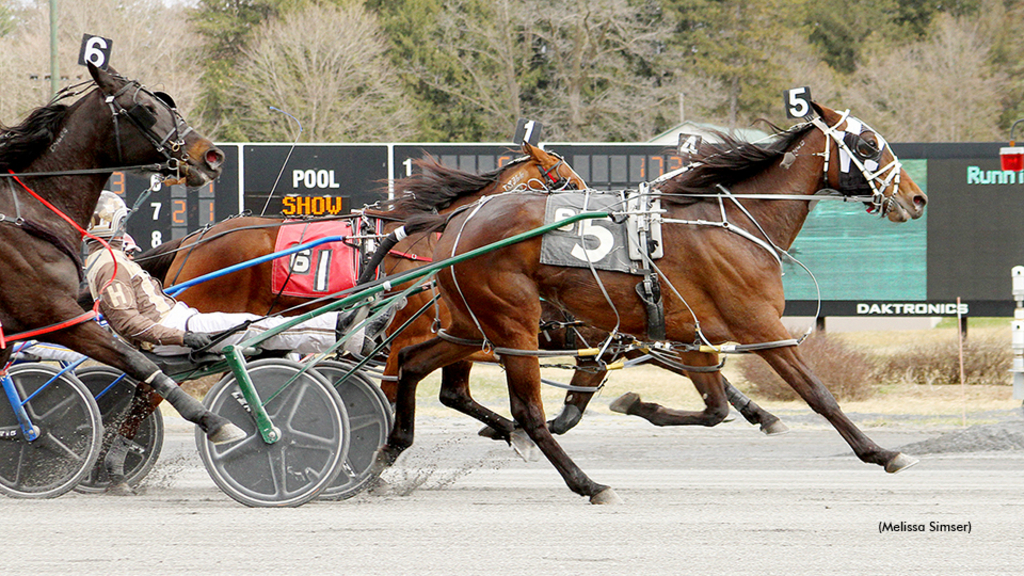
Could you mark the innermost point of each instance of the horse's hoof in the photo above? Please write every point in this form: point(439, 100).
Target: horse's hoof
point(623, 403)
point(379, 487)
point(606, 496)
point(120, 488)
point(384, 458)
point(493, 434)
point(899, 463)
point(569, 417)
point(775, 428)
point(226, 434)
point(524, 446)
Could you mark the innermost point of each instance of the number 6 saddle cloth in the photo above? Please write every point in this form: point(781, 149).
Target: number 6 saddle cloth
point(317, 271)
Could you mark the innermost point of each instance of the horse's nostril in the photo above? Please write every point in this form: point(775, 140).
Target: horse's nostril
point(214, 157)
point(920, 201)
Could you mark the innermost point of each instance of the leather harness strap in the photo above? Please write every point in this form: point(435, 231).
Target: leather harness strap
point(45, 329)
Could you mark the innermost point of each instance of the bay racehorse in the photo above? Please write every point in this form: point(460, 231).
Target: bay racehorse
point(433, 186)
point(53, 167)
point(250, 289)
point(727, 221)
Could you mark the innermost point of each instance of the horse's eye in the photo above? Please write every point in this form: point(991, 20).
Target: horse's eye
point(866, 148)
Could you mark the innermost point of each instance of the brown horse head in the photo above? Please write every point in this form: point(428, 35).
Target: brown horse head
point(437, 187)
point(863, 162)
point(149, 128)
point(556, 172)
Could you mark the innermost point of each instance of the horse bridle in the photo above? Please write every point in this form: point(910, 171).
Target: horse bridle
point(168, 144)
point(561, 182)
point(853, 148)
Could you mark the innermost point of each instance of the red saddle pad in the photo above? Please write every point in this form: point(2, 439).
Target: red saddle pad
point(314, 272)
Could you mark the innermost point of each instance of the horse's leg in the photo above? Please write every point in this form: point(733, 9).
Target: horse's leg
point(791, 367)
point(631, 403)
point(417, 332)
point(455, 395)
point(523, 374)
point(770, 423)
point(389, 382)
point(576, 401)
point(416, 361)
point(90, 339)
point(119, 430)
point(709, 386)
point(572, 409)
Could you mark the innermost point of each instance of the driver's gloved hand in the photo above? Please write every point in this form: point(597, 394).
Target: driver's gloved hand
point(197, 340)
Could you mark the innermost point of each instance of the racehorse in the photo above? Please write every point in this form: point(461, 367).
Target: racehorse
point(726, 222)
point(240, 239)
point(54, 165)
point(249, 290)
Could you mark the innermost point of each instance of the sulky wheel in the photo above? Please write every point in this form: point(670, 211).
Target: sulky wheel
point(370, 421)
point(313, 444)
point(114, 392)
point(70, 434)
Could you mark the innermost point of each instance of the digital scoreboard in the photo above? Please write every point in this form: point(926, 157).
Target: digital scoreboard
point(476, 158)
point(313, 179)
point(964, 246)
point(618, 166)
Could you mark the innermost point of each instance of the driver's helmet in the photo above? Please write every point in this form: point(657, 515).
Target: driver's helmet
point(109, 217)
point(129, 246)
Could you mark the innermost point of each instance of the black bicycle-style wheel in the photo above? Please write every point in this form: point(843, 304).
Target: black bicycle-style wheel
point(114, 402)
point(312, 423)
point(370, 420)
point(70, 433)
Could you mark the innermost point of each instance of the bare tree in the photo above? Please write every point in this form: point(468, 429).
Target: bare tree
point(327, 66)
point(151, 44)
point(607, 81)
point(583, 68)
point(938, 90)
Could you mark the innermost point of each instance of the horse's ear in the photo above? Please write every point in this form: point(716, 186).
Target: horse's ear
point(530, 150)
point(823, 112)
point(103, 78)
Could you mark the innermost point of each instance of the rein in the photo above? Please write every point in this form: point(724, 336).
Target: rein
point(83, 233)
point(156, 167)
point(143, 120)
point(233, 230)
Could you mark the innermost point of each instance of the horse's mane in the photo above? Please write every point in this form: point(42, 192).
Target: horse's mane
point(157, 261)
point(729, 161)
point(437, 186)
point(21, 144)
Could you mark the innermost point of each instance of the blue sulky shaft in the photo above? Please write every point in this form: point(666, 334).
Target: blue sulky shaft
point(179, 288)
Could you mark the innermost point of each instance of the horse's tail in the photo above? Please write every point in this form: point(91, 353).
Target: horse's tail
point(417, 224)
point(157, 261)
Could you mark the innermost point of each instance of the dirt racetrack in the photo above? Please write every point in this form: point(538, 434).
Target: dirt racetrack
point(722, 501)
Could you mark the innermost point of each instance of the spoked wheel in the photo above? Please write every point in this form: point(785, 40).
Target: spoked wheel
point(370, 420)
point(313, 427)
point(70, 434)
point(114, 393)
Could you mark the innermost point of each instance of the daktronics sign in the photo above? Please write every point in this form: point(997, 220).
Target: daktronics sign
point(911, 309)
point(964, 247)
